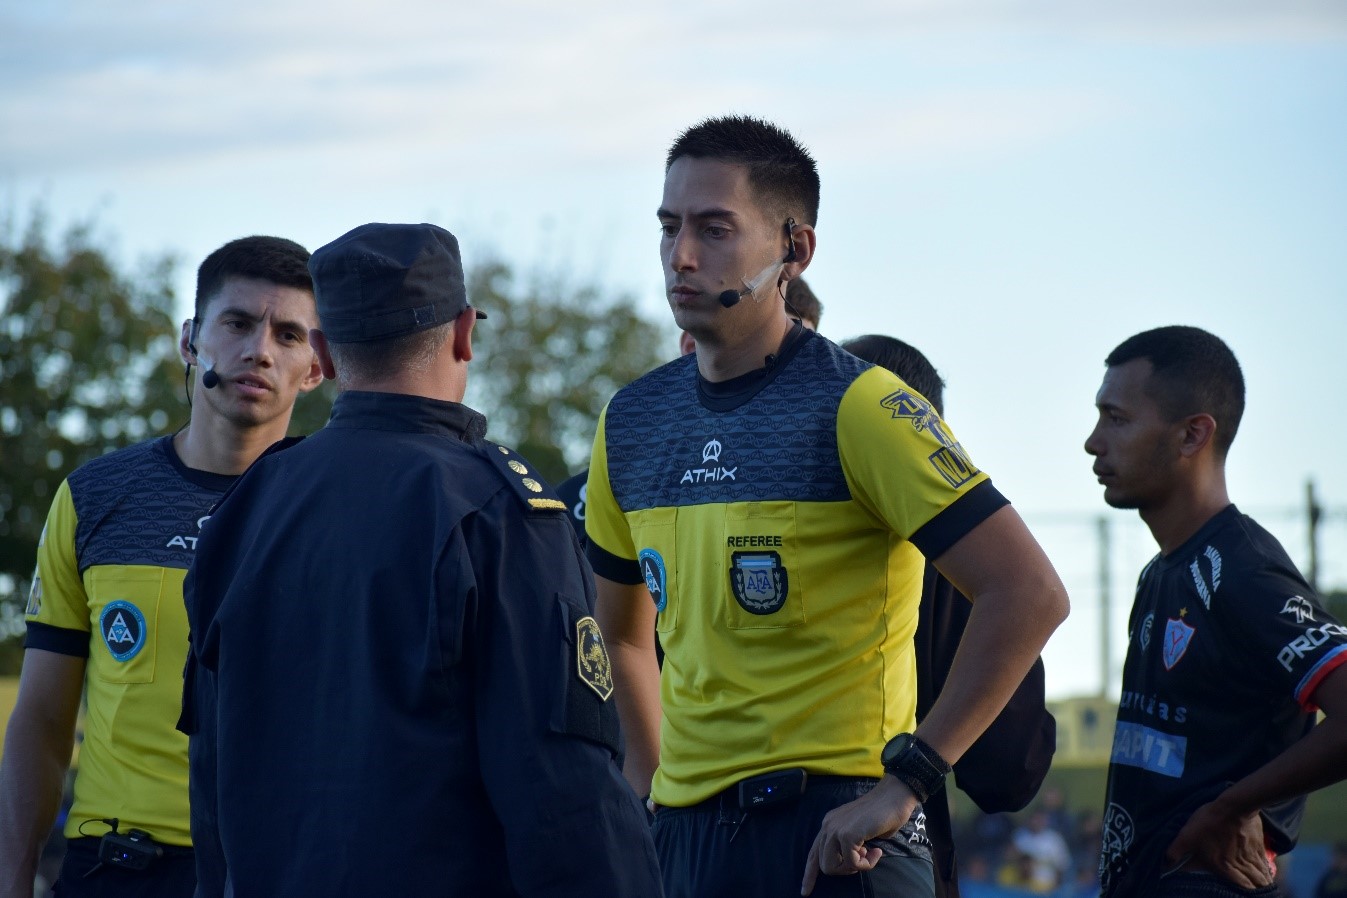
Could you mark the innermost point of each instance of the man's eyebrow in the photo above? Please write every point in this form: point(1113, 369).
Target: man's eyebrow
point(236, 312)
point(661, 212)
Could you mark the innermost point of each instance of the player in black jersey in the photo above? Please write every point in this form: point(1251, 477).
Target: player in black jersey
point(1230, 652)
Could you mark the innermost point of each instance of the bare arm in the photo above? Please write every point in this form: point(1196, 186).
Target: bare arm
point(627, 617)
point(1226, 835)
point(1018, 601)
point(38, 742)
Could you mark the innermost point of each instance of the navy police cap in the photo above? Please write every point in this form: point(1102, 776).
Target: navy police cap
point(386, 280)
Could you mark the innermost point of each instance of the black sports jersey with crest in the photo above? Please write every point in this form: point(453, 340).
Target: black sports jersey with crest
point(1227, 645)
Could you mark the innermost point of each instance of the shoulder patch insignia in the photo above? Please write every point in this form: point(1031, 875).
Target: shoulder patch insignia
point(656, 577)
point(591, 658)
point(35, 594)
point(123, 629)
point(533, 492)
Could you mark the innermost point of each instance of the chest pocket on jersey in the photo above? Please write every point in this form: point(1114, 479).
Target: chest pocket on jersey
point(763, 590)
point(124, 615)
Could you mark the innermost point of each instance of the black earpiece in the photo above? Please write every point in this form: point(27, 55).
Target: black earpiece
point(790, 238)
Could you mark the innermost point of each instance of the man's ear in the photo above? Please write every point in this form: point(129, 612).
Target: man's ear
point(322, 359)
point(462, 338)
point(1198, 433)
point(185, 344)
point(804, 241)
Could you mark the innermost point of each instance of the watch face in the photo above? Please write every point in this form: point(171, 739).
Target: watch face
point(895, 747)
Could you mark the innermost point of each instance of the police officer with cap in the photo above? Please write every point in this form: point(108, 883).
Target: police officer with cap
point(396, 684)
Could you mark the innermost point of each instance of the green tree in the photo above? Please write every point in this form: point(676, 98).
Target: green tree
point(549, 358)
point(87, 364)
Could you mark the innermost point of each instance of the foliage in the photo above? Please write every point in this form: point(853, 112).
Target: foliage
point(549, 358)
point(87, 364)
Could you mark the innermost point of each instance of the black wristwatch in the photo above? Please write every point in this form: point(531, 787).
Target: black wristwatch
point(915, 764)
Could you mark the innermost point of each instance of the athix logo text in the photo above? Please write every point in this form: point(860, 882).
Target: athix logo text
point(712, 471)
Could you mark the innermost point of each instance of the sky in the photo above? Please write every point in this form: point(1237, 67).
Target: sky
point(1012, 186)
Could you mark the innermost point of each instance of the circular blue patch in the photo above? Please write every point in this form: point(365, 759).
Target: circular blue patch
point(652, 568)
point(123, 629)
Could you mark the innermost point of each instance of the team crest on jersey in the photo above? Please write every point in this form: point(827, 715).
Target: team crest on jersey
point(1204, 574)
point(1297, 605)
point(1146, 626)
point(123, 629)
point(758, 581)
point(1178, 636)
point(656, 579)
point(591, 658)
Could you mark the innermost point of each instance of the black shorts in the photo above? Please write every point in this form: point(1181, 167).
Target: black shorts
point(171, 876)
point(715, 850)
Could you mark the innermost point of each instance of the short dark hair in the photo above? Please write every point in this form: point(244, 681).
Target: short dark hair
point(272, 259)
point(904, 360)
point(780, 170)
point(801, 300)
point(374, 360)
point(1191, 371)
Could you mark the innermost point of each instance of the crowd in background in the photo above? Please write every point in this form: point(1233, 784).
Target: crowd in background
point(1049, 849)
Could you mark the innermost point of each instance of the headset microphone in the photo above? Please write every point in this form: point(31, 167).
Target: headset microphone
point(209, 379)
point(731, 298)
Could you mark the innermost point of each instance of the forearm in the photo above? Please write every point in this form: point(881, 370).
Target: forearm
point(636, 691)
point(1316, 761)
point(32, 775)
point(1006, 633)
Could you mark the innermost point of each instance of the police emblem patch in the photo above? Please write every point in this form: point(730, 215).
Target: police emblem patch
point(591, 658)
point(1178, 636)
point(759, 581)
point(656, 580)
point(123, 629)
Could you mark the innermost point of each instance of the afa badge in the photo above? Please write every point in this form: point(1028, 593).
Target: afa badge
point(759, 581)
point(123, 629)
point(656, 578)
point(591, 658)
point(1178, 636)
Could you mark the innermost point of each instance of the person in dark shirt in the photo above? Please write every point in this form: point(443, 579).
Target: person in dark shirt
point(1004, 768)
point(1230, 652)
point(396, 684)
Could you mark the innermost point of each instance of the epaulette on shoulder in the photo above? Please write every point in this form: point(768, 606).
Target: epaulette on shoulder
point(531, 489)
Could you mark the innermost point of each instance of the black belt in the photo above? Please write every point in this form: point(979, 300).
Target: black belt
point(91, 843)
point(770, 789)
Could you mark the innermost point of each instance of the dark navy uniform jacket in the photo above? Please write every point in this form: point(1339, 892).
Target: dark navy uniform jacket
point(395, 682)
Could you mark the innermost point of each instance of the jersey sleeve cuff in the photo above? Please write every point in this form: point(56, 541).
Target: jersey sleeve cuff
point(61, 640)
point(1329, 663)
point(613, 567)
point(936, 536)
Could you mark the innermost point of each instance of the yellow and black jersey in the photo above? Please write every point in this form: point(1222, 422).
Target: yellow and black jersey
point(779, 529)
point(118, 540)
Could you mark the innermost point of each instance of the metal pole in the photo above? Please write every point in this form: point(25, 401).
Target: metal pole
point(1105, 608)
point(1315, 512)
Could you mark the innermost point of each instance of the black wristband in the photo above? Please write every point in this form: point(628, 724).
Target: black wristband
point(915, 764)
